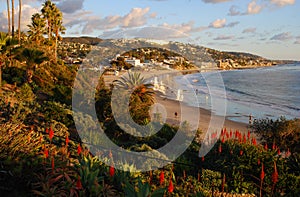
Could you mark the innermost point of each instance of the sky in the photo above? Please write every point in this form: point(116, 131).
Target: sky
point(269, 28)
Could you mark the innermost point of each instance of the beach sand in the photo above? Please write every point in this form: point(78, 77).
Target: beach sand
point(204, 116)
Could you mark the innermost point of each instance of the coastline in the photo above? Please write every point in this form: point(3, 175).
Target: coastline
point(205, 116)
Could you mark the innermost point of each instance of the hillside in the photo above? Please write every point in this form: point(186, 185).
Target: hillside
point(199, 56)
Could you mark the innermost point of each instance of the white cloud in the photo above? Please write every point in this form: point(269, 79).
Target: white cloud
point(27, 12)
point(282, 2)
point(219, 23)
point(254, 8)
point(89, 23)
point(282, 36)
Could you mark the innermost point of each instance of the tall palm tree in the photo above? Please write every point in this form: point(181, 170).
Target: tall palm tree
point(12, 18)
point(19, 22)
point(57, 27)
point(8, 17)
point(37, 28)
point(33, 58)
point(141, 98)
point(47, 13)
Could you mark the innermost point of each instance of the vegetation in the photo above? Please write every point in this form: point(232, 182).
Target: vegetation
point(41, 153)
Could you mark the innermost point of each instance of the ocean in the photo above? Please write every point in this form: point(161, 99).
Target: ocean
point(265, 92)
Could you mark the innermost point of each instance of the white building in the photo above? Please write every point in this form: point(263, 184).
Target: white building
point(134, 62)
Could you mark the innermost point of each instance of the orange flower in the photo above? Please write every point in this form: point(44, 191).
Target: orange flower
point(220, 148)
point(67, 140)
point(79, 149)
point(275, 174)
point(46, 153)
point(161, 177)
point(111, 171)
point(262, 173)
point(171, 187)
point(51, 133)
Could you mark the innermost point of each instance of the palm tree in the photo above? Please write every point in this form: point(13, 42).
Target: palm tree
point(12, 18)
point(33, 58)
point(37, 28)
point(53, 17)
point(57, 27)
point(19, 22)
point(141, 98)
point(8, 17)
point(3, 40)
point(47, 13)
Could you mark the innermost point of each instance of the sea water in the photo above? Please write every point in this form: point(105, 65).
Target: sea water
point(264, 92)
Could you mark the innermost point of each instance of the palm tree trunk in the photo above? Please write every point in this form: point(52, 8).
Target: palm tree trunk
point(55, 49)
point(8, 18)
point(19, 22)
point(12, 18)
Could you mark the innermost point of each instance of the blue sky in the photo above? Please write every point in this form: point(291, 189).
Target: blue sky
point(269, 28)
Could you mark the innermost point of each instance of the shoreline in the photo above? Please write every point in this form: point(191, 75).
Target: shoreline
point(205, 116)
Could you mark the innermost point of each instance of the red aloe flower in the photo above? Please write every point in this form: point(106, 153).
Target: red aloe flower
point(223, 140)
point(78, 183)
point(241, 152)
point(46, 153)
point(161, 177)
point(171, 187)
point(262, 173)
point(51, 133)
point(288, 153)
point(254, 141)
point(230, 134)
point(111, 171)
point(67, 140)
point(278, 151)
point(220, 148)
point(275, 174)
point(258, 161)
point(79, 149)
point(248, 135)
point(202, 158)
point(273, 146)
point(244, 139)
point(266, 146)
point(47, 130)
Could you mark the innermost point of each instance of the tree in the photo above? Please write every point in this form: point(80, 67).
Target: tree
point(37, 28)
point(8, 17)
point(19, 22)
point(57, 27)
point(53, 17)
point(12, 18)
point(142, 95)
point(33, 58)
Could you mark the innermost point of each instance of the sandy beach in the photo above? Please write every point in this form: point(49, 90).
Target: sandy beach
point(205, 116)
